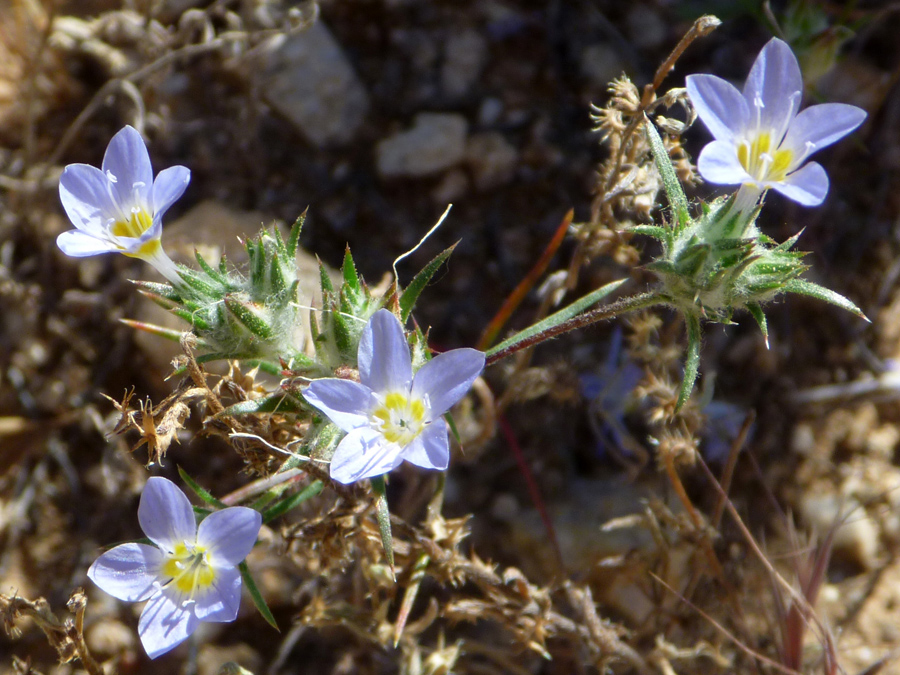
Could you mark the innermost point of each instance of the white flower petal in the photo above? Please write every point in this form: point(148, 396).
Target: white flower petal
point(819, 126)
point(344, 402)
point(431, 448)
point(719, 104)
point(83, 191)
point(127, 572)
point(78, 244)
point(164, 624)
point(229, 535)
point(128, 162)
point(775, 82)
point(165, 514)
point(446, 378)
point(169, 185)
point(363, 453)
point(808, 186)
point(383, 357)
point(222, 600)
point(718, 163)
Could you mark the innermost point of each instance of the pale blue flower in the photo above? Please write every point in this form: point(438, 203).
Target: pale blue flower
point(119, 207)
point(390, 415)
point(190, 575)
point(761, 140)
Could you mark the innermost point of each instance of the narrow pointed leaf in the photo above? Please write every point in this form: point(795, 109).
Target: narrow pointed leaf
point(692, 360)
point(674, 192)
point(325, 281)
point(291, 502)
point(294, 237)
point(153, 329)
point(351, 276)
point(257, 597)
point(760, 317)
point(200, 491)
point(804, 287)
point(150, 288)
point(253, 322)
point(559, 317)
point(276, 403)
point(279, 285)
point(383, 515)
point(212, 273)
point(420, 281)
point(655, 231)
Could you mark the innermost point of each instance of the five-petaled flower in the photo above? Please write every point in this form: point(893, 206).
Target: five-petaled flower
point(119, 207)
point(391, 415)
point(761, 140)
point(189, 576)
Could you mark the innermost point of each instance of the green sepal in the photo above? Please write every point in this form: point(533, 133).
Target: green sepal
point(294, 237)
point(291, 502)
point(325, 281)
point(452, 424)
point(201, 492)
point(195, 283)
point(411, 294)
point(194, 319)
point(559, 317)
point(223, 265)
point(672, 185)
point(692, 360)
point(257, 597)
point(199, 513)
point(804, 287)
point(760, 317)
point(383, 515)
point(276, 403)
point(248, 318)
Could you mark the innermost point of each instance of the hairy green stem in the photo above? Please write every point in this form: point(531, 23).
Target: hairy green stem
point(623, 306)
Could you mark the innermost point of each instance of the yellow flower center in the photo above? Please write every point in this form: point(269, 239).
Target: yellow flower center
point(399, 418)
point(188, 569)
point(760, 160)
point(139, 222)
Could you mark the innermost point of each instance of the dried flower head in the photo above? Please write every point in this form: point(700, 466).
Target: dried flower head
point(119, 207)
point(190, 575)
point(761, 140)
point(391, 415)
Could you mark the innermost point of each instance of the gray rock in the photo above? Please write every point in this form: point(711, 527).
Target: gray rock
point(465, 54)
point(601, 64)
point(492, 159)
point(435, 142)
point(308, 79)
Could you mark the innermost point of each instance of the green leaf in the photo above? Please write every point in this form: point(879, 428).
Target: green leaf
point(351, 276)
point(257, 596)
point(383, 515)
point(804, 287)
point(672, 185)
point(162, 290)
point(251, 321)
point(223, 266)
point(276, 403)
point(559, 317)
point(279, 285)
point(292, 501)
point(420, 281)
point(692, 360)
point(760, 317)
point(199, 491)
point(294, 238)
point(325, 281)
point(655, 231)
point(210, 272)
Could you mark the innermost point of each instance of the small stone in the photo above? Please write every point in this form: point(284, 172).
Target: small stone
point(856, 536)
point(435, 142)
point(453, 185)
point(110, 637)
point(490, 112)
point(492, 159)
point(465, 55)
point(308, 79)
point(239, 658)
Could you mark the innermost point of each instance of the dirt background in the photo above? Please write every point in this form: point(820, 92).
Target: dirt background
point(391, 110)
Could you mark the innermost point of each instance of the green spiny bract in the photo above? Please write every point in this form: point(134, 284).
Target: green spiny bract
point(235, 316)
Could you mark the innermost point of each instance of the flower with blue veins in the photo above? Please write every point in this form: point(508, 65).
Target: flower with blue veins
point(119, 207)
point(189, 576)
point(761, 141)
point(391, 415)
